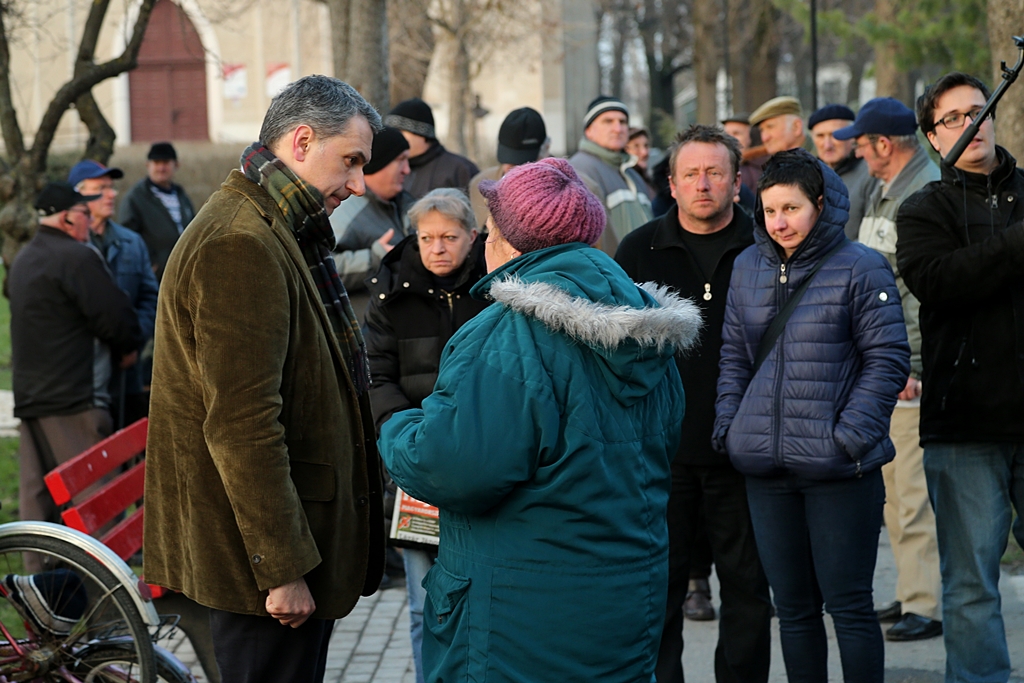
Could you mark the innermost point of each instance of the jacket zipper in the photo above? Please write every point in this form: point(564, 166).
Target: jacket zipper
point(780, 369)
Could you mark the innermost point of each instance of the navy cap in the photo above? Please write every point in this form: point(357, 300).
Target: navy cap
point(830, 112)
point(86, 169)
point(58, 196)
point(880, 116)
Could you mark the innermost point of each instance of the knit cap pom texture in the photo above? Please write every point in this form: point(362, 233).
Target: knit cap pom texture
point(542, 204)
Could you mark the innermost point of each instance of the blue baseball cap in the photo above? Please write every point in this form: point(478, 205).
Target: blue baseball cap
point(880, 116)
point(84, 170)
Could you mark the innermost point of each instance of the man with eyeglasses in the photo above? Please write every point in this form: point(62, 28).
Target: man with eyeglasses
point(885, 137)
point(70, 325)
point(960, 250)
point(127, 258)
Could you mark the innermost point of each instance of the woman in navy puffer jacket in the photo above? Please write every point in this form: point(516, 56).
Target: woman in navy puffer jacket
point(810, 429)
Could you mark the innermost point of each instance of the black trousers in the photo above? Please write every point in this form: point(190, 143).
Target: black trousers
point(717, 494)
point(252, 649)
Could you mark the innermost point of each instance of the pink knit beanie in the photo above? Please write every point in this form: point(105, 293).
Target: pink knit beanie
point(542, 204)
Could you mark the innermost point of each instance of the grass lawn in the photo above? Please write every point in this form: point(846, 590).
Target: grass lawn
point(8, 480)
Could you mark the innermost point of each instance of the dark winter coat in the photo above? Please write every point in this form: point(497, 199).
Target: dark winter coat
point(657, 253)
point(820, 404)
point(408, 323)
point(960, 250)
point(143, 212)
point(437, 167)
point(547, 447)
point(128, 260)
point(63, 299)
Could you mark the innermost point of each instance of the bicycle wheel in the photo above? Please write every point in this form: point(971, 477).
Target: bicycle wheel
point(50, 619)
point(108, 661)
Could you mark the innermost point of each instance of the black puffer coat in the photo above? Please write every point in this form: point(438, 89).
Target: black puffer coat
point(409, 321)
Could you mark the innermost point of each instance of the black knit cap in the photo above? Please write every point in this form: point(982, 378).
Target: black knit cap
point(162, 151)
point(60, 196)
point(387, 145)
point(830, 112)
point(521, 136)
point(414, 116)
point(600, 105)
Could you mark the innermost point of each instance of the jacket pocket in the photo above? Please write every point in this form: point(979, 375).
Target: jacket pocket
point(313, 481)
point(446, 622)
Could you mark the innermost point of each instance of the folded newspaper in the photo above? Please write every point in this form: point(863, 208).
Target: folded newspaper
point(413, 520)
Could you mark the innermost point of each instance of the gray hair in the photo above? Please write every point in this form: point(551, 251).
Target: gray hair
point(451, 203)
point(909, 143)
point(323, 103)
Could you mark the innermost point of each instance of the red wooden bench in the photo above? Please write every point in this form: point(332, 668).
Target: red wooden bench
point(117, 496)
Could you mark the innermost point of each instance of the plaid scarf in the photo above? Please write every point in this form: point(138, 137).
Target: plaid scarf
point(303, 209)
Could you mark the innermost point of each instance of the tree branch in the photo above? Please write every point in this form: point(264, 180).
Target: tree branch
point(91, 33)
point(84, 82)
point(100, 146)
point(13, 139)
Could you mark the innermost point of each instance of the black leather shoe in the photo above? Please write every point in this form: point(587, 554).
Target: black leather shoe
point(914, 627)
point(891, 612)
point(698, 605)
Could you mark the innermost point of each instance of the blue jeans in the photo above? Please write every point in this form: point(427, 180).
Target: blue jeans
point(972, 486)
point(417, 564)
point(818, 542)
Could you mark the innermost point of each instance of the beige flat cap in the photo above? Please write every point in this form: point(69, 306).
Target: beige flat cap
point(777, 106)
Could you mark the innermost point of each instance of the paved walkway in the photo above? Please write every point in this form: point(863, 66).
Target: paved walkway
point(371, 645)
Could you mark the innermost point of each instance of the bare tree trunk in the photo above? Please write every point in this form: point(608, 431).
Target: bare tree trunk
point(857, 61)
point(764, 57)
point(739, 55)
point(367, 63)
point(459, 98)
point(338, 14)
point(1004, 20)
point(890, 80)
point(411, 47)
point(101, 135)
point(620, 40)
point(705, 59)
point(100, 146)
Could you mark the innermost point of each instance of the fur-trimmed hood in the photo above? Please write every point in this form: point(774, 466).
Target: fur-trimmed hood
point(674, 322)
point(574, 290)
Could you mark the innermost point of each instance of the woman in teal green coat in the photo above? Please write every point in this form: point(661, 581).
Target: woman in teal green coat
point(546, 446)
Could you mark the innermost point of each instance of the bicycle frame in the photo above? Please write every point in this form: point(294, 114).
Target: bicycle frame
point(121, 571)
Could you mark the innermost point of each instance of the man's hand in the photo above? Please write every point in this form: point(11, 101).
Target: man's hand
point(911, 391)
point(129, 360)
point(385, 240)
point(291, 604)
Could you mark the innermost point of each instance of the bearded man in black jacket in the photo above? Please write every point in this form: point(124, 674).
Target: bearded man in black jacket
point(960, 249)
point(691, 249)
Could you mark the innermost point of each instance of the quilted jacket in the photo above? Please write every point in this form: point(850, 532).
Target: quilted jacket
point(547, 446)
point(820, 403)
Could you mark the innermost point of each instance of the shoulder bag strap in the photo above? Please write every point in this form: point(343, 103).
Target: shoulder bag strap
point(778, 323)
